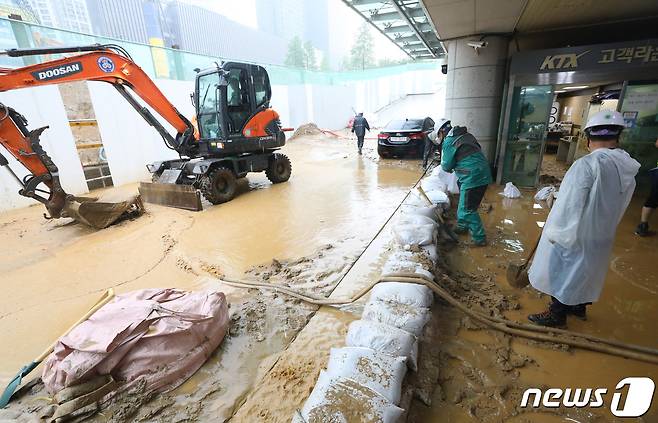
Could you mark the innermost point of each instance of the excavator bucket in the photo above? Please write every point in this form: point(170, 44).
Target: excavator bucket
point(101, 214)
point(172, 195)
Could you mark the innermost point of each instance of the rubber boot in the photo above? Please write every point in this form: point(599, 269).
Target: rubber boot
point(554, 317)
point(578, 311)
point(360, 152)
point(642, 229)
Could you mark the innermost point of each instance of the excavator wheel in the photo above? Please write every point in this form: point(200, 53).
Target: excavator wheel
point(219, 185)
point(279, 168)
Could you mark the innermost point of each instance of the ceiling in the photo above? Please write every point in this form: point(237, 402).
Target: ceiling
point(404, 22)
point(458, 18)
point(419, 27)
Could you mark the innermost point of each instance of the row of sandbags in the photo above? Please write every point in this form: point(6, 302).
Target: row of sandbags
point(363, 380)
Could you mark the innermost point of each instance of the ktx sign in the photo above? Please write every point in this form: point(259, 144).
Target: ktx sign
point(562, 61)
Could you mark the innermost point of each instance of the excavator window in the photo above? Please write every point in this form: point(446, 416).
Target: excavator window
point(237, 95)
point(209, 106)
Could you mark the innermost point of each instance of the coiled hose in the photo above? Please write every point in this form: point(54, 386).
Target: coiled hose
point(537, 333)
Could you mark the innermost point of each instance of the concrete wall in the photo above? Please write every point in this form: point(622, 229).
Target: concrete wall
point(42, 106)
point(474, 88)
point(130, 143)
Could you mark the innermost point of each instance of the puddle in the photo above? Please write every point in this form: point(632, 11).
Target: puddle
point(335, 198)
point(483, 373)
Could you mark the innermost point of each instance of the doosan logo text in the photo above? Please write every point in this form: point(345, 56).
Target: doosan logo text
point(635, 402)
point(57, 71)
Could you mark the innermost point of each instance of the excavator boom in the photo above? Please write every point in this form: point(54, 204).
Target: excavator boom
point(103, 63)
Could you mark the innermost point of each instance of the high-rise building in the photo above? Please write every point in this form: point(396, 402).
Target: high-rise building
point(18, 9)
point(203, 31)
point(122, 19)
point(66, 14)
point(306, 19)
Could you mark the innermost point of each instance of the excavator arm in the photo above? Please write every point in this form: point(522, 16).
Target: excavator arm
point(109, 64)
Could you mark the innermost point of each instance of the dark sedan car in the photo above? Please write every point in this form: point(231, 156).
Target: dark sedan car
point(404, 137)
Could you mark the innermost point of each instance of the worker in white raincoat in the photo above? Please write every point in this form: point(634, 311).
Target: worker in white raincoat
point(572, 259)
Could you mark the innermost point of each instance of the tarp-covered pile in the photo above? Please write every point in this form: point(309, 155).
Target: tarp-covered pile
point(154, 338)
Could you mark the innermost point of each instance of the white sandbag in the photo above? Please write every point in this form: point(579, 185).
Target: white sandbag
point(404, 267)
point(511, 191)
point(544, 193)
point(433, 183)
point(411, 294)
point(439, 198)
point(402, 255)
point(402, 316)
point(431, 252)
point(383, 338)
point(449, 179)
point(344, 400)
point(420, 210)
point(378, 371)
point(414, 230)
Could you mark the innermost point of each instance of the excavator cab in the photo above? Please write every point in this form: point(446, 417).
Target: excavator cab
point(232, 103)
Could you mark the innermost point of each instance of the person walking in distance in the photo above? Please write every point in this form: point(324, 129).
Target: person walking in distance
point(651, 203)
point(359, 127)
point(572, 258)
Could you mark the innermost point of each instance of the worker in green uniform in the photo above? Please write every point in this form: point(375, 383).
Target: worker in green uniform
point(462, 154)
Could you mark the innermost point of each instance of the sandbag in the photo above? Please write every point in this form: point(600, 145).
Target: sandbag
point(511, 191)
point(378, 371)
point(439, 198)
point(419, 210)
point(383, 338)
point(544, 193)
point(433, 183)
point(402, 316)
point(343, 400)
point(412, 294)
point(414, 230)
point(155, 337)
point(431, 252)
point(449, 179)
point(407, 267)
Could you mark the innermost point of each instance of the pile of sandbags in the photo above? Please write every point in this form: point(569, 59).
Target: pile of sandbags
point(363, 381)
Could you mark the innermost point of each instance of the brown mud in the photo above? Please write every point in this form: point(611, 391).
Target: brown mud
point(484, 373)
point(304, 233)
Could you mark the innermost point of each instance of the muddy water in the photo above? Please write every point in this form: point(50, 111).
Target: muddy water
point(53, 271)
point(475, 386)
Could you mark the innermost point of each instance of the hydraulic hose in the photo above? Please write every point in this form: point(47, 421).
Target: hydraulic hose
point(537, 333)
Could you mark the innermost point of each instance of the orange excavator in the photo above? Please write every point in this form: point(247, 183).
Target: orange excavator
point(236, 132)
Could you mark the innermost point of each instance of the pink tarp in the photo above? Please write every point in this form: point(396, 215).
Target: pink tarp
point(159, 337)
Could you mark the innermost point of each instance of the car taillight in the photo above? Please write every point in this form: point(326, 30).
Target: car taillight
point(418, 136)
point(382, 136)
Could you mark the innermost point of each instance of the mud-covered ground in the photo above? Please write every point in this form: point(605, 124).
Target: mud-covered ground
point(483, 373)
point(304, 233)
point(308, 233)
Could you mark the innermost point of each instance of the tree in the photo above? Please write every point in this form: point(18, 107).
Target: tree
point(296, 56)
point(324, 64)
point(310, 59)
point(362, 55)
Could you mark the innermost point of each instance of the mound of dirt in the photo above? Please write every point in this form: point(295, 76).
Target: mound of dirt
point(307, 129)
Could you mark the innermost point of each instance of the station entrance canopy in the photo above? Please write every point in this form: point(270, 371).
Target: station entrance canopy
point(405, 22)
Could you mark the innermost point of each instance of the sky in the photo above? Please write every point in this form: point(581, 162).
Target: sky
point(244, 12)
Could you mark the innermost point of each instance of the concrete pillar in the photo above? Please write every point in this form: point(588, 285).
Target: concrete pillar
point(475, 87)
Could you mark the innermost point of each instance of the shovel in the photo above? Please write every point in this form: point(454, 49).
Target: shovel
point(16, 381)
point(517, 274)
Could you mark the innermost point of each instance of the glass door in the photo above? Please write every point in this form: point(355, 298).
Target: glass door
point(528, 121)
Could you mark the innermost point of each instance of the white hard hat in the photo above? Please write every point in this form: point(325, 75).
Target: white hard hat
point(606, 118)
